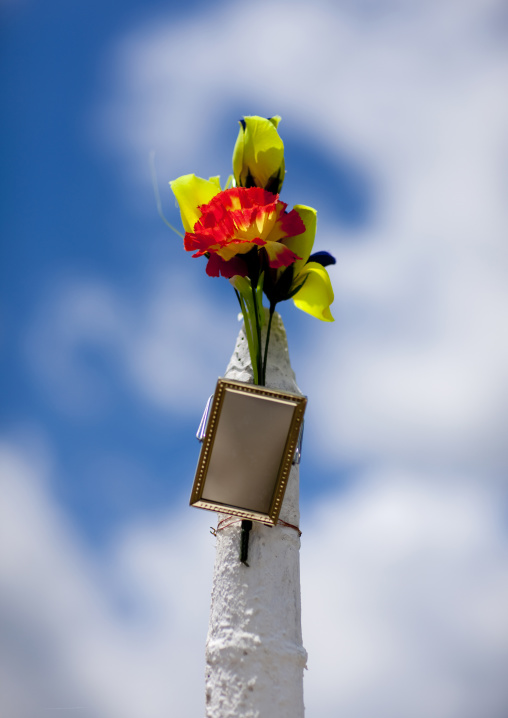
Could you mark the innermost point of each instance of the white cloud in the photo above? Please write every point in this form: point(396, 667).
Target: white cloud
point(74, 318)
point(165, 346)
point(405, 580)
point(416, 368)
point(378, 79)
point(405, 584)
point(67, 642)
point(420, 359)
point(404, 589)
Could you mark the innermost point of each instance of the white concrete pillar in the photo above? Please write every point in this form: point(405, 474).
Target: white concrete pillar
point(254, 653)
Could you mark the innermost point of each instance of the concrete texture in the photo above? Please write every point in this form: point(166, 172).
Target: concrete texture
point(254, 653)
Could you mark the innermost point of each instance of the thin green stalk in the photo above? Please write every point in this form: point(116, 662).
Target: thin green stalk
point(258, 333)
point(157, 195)
point(268, 329)
point(249, 334)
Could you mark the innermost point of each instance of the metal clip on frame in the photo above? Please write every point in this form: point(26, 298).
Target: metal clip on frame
point(201, 432)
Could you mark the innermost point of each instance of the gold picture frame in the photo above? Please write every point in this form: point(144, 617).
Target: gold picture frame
point(248, 449)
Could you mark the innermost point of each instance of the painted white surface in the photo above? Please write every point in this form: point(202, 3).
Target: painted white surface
point(254, 653)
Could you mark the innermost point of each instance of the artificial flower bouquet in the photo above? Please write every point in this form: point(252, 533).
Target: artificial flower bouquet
point(248, 236)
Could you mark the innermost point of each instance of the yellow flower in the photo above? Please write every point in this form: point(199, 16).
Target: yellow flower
point(306, 281)
point(191, 193)
point(258, 156)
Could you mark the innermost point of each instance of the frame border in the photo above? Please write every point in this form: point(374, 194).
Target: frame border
point(300, 403)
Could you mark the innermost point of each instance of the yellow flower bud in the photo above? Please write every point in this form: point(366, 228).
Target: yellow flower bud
point(258, 157)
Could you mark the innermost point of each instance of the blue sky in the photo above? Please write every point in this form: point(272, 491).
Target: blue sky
point(112, 338)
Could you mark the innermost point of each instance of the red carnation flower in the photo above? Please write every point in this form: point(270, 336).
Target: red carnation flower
point(235, 221)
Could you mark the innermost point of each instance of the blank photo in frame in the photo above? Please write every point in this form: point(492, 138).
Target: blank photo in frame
point(247, 451)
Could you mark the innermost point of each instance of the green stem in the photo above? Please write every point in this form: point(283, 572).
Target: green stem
point(268, 329)
point(239, 300)
point(258, 333)
point(248, 333)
